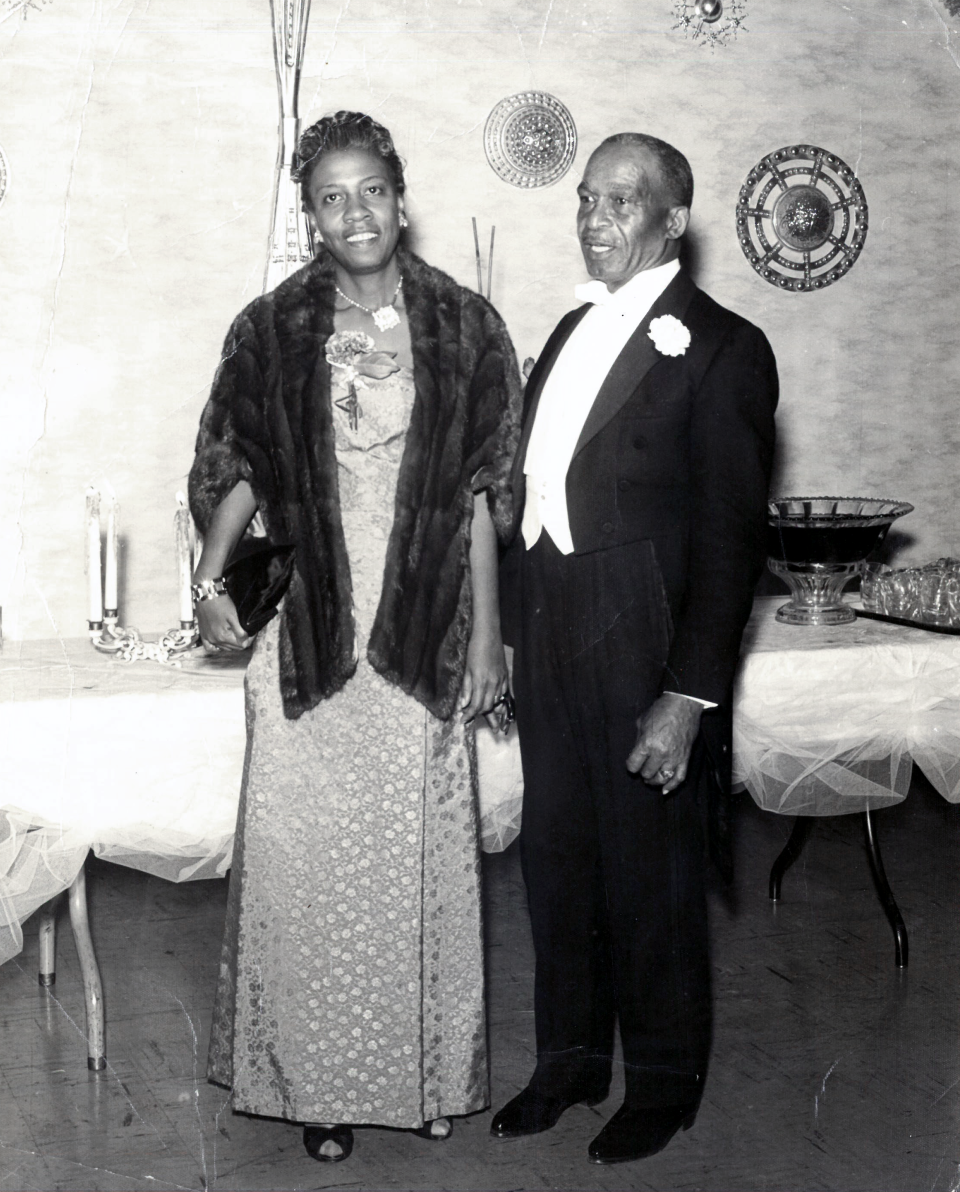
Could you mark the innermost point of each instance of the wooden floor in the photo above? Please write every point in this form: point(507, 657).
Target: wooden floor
point(831, 1069)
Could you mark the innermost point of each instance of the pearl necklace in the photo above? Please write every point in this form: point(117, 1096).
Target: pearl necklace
point(385, 317)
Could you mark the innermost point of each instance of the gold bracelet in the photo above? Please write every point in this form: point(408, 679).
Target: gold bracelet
point(208, 589)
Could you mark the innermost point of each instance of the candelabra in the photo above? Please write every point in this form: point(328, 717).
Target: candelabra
point(109, 637)
point(106, 634)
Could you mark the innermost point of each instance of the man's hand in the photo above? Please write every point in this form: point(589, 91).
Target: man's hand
point(665, 737)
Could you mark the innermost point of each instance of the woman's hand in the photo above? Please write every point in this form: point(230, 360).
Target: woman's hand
point(485, 680)
point(219, 625)
point(217, 618)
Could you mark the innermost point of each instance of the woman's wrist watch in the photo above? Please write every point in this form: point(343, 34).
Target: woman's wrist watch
point(208, 589)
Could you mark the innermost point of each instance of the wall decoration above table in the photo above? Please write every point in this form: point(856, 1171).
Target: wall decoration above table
point(801, 218)
point(290, 244)
point(22, 7)
point(530, 139)
point(710, 22)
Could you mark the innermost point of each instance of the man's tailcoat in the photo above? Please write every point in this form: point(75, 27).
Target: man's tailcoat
point(666, 496)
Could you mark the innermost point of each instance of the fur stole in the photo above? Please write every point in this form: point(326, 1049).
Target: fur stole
point(269, 421)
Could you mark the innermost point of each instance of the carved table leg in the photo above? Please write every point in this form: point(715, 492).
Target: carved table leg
point(92, 989)
point(48, 943)
point(887, 901)
point(802, 827)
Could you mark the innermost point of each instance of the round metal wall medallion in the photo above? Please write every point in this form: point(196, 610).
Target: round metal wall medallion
point(530, 139)
point(801, 218)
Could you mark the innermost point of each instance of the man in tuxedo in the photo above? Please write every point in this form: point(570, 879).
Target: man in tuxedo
point(644, 462)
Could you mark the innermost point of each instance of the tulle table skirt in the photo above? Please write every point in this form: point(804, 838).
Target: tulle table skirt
point(139, 762)
point(142, 763)
point(829, 720)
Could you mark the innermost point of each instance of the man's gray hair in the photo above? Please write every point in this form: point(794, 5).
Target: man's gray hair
point(674, 167)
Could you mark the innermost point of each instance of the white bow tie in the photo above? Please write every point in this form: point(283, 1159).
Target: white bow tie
point(595, 292)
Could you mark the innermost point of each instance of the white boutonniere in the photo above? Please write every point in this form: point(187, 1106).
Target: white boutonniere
point(670, 336)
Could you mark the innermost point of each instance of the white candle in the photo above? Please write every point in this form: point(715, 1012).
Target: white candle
point(94, 592)
point(181, 524)
point(197, 545)
point(110, 565)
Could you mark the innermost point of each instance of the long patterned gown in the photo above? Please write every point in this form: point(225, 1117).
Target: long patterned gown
point(351, 984)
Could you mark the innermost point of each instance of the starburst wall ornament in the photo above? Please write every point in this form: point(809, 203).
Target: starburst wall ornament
point(10, 8)
point(710, 22)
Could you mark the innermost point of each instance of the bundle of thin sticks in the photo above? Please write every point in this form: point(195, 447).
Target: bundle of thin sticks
point(476, 245)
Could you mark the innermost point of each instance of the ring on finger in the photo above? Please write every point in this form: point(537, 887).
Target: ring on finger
point(666, 775)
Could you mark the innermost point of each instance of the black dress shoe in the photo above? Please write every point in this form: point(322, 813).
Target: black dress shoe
point(315, 1136)
point(531, 1112)
point(638, 1133)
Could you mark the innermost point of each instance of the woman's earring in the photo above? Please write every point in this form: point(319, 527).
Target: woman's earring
point(403, 221)
point(312, 226)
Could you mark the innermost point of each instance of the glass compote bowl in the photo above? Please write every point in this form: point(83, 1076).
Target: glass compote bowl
point(816, 545)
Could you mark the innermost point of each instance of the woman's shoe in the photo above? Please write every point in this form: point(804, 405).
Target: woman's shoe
point(439, 1130)
point(315, 1137)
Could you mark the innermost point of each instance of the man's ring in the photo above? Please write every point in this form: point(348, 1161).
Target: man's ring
point(666, 775)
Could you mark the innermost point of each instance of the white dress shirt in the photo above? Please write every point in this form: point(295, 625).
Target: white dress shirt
point(568, 396)
point(570, 391)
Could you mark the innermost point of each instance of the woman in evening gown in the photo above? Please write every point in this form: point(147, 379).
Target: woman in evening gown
point(366, 412)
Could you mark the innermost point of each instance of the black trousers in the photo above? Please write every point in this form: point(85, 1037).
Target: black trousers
point(614, 870)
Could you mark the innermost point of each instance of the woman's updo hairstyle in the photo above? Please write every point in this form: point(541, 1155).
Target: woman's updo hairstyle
point(346, 130)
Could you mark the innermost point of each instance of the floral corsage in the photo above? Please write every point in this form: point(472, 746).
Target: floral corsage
point(670, 336)
point(353, 353)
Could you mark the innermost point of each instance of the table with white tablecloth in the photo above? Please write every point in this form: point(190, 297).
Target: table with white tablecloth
point(139, 762)
point(828, 720)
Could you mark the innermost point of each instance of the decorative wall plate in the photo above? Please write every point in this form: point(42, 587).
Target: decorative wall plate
point(530, 139)
point(801, 218)
point(4, 175)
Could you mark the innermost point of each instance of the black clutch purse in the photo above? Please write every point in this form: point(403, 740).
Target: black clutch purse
point(256, 578)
